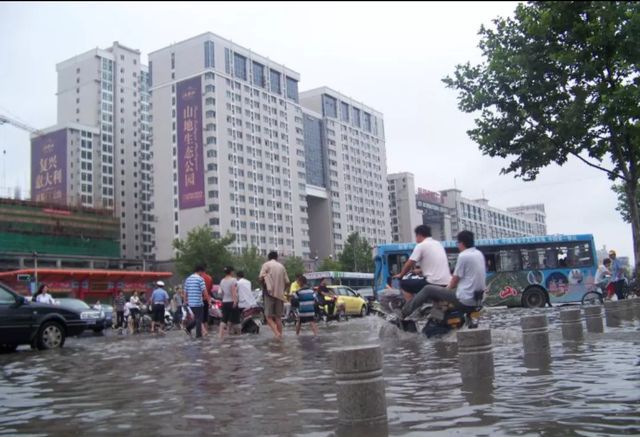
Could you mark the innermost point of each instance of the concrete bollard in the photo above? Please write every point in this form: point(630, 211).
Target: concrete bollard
point(636, 308)
point(571, 323)
point(361, 391)
point(612, 313)
point(475, 354)
point(626, 309)
point(593, 317)
point(535, 334)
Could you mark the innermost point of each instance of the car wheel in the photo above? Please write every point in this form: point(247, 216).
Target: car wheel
point(8, 348)
point(50, 336)
point(534, 298)
point(363, 311)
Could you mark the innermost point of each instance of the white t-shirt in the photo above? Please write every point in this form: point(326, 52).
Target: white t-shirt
point(601, 274)
point(471, 268)
point(45, 298)
point(432, 259)
point(245, 296)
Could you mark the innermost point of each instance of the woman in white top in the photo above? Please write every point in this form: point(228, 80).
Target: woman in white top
point(230, 312)
point(43, 296)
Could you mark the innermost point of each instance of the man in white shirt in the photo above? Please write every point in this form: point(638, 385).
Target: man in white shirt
point(245, 296)
point(468, 280)
point(431, 257)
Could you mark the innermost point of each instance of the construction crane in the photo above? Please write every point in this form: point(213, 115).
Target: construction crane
point(5, 119)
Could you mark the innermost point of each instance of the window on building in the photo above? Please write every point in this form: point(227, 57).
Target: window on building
point(356, 117)
point(240, 66)
point(292, 89)
point(329, 106)
point(344, 111)
point(367, 122)
point(274, 79)
point(258, 75)
point(173, 61)
point(208, 54)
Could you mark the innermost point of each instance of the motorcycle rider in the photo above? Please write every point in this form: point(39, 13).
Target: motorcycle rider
point(326, 297)
point(431, 257)
point(468, 280)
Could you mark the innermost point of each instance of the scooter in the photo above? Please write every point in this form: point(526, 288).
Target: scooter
point(251, 320)
point(339, 312)
point(436, 318)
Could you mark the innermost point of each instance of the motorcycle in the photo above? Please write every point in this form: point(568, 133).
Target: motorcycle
point(251, 320)
point(168, 320)
point(339, 311)
point(437, 318)
point(215, 312)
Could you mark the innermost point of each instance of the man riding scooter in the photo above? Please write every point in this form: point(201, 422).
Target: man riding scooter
point(468, 281)
point(326, 298)
point(431, 257)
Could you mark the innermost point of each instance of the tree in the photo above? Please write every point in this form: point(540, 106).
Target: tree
point(294, 266)
point(357, 255)
point(201, 248)
point(250, 261)
point(329, 265)
point(560, 80)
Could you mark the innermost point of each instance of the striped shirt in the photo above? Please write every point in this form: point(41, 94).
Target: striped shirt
point(193, 288)
point(307, 308)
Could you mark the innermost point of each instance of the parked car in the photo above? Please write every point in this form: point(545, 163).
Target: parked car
point(43, 326)
point(96, 320)
point(354, 304)
point(368, 295)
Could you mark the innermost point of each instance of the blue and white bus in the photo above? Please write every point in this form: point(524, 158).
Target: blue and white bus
point(524, 271)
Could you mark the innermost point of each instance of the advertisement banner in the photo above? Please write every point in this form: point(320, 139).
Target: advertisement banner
point(190, 149)
point(49, 167)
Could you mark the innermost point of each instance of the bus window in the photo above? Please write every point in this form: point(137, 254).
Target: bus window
point(395, 262)
point(583, 255)
point(532, 259)
point(491, 261)
point(509, 260)
point(551, 258)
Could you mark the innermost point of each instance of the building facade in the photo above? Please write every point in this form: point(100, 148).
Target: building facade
point(403, 207)
point(103, 95)
point(447, 212)
point(229, 140)
point(354, 167)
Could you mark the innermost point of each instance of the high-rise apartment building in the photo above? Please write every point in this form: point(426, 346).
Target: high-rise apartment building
point(354, 167)
point(243, 152)
point(104, 132)
point(447, 212)
point(403, 207)
point(229, 144)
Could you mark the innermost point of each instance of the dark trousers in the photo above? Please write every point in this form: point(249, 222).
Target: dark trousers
point(197, 321)
point(119, 319)
point(618, 287)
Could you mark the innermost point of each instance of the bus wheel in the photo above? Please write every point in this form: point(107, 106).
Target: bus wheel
point(534, 298)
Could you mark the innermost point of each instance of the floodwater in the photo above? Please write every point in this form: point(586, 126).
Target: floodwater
point(254, 385)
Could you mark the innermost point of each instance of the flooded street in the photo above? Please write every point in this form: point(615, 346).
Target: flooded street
point(254, 385)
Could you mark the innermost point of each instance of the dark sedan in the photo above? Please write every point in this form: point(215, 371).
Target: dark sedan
point(95, 319)
point(41, 325)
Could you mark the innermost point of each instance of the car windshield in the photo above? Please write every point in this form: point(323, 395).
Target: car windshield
point(107, 308)
point(75, 304)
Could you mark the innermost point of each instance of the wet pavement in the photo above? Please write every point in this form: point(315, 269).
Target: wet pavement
point(254, 385)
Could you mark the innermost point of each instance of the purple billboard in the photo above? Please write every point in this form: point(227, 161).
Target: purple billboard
point(49, 167)
point(190, 150)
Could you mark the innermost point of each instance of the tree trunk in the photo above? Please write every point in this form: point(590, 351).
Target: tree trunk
point(631, 188)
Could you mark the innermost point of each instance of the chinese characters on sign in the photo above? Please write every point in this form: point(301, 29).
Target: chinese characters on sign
point(49, 167)
point(190, 157)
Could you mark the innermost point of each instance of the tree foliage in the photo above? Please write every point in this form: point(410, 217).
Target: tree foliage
point(294, 266)
point(560, 80)
point(329, 265)
point(250, 261)
point(201, 248)
point(357, 255)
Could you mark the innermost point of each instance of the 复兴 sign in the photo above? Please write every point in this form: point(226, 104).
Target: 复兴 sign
point(49, 167)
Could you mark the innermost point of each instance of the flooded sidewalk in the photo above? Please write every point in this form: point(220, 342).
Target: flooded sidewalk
point(254, 385)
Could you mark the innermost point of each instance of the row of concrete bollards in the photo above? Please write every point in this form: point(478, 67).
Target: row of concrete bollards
point(360, 385)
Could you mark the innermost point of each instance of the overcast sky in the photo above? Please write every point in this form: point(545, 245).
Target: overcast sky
point(390, 56)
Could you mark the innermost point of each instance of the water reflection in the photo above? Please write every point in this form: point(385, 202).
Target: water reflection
point(258, 386)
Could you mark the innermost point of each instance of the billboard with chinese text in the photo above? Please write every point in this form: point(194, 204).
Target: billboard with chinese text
point(49, 167)
point(190, 149)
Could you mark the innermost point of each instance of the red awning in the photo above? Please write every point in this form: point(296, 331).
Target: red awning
point(88, 273)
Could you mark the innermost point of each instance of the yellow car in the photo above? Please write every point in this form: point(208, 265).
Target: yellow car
point(353, 303)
